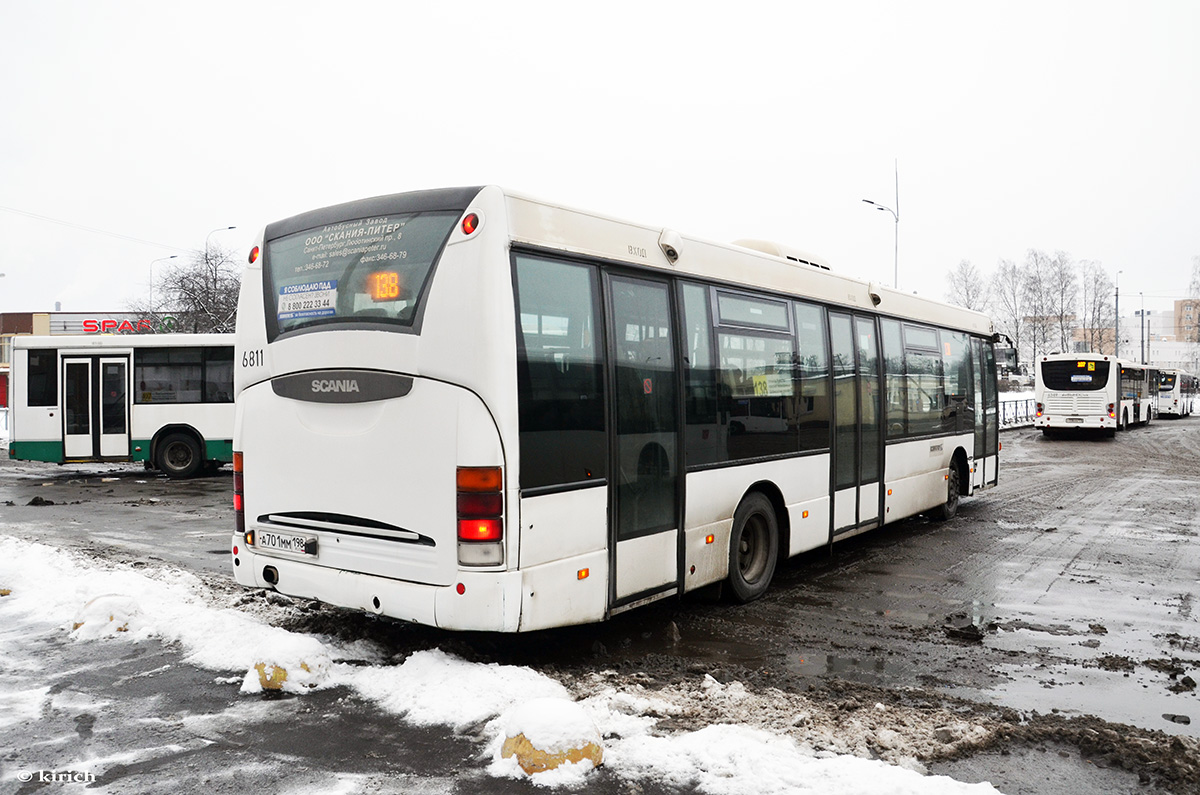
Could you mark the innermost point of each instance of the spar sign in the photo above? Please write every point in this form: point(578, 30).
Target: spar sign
point(111, 326)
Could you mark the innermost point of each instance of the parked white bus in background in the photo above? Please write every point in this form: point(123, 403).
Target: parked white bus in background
point(1178, 392)
point(166, 399)
point(1091, 391)
point(476, 410)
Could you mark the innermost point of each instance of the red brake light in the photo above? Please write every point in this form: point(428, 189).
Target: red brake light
point(254, 252)
point(481, 529)
point(470, 223)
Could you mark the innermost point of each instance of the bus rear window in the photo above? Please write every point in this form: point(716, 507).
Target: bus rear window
point(372, 270)
point(1075, 375)
point(1166, 382)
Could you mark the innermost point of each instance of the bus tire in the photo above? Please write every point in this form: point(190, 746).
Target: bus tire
point(949, 508)
point(753, 548)
point(178, 456)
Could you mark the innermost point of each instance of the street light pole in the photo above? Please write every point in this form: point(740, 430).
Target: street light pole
point(896, 240)
point(213, 232)
point(1117, 322)
point(152, 263)
point(1143, 314)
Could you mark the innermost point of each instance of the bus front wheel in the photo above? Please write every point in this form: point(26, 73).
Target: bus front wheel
point(179, 456)
point(753, 548)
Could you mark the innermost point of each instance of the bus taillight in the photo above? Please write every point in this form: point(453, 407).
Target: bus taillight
point(1112, 411)
point(480, 529)
point(1040, 409)
point(239, 510)
point(480, 501)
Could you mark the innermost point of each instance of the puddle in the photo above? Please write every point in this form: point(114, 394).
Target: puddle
point(872, 670)
point(1139, 698)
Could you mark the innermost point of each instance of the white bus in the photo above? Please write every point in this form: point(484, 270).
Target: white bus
point(1178, 392)
point(475, 410)
point(1092, 391)
point(166, 399)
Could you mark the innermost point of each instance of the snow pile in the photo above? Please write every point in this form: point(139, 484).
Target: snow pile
point(746, 743)
point(434, 688)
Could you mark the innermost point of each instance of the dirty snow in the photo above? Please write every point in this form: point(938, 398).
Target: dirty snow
point(56, 590)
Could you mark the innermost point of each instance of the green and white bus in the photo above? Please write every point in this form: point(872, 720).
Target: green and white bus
point(477, 410)
point(166, 399)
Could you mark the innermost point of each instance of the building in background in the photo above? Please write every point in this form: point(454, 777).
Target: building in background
point(1187, 319)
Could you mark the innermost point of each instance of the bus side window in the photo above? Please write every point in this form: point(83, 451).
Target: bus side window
point(559, 374)
point(42, 375)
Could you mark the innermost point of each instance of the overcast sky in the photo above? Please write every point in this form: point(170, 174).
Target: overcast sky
point(1066, 126)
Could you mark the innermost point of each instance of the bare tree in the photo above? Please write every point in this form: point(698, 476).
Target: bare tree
point(1008, 304)
point(199, 296)
point(1062, 291)
point(968, 287)
point(1037, 292)
point(1097, 315)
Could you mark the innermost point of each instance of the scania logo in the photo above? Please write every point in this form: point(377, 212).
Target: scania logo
point(343, 385)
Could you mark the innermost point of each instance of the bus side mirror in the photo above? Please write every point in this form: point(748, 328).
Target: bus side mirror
point(1007, 357)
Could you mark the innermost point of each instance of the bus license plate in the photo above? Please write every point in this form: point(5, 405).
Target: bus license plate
point(286, 542)
point(1074, 419)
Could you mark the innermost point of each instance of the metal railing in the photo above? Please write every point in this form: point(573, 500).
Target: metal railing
point(1017, 413)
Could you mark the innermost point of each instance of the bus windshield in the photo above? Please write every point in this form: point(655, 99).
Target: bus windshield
point(1075, 376)
point(366, 269)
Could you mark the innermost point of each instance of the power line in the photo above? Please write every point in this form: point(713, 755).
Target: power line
point(92, 229)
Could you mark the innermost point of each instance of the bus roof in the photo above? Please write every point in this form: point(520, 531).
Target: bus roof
point(753, 263)
point(109, 341)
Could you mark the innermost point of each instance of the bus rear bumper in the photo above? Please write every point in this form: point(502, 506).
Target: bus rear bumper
point(1064, 423)
point(486, 601)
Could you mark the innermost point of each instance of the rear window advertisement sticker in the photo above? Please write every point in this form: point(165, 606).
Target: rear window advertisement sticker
point(312, 299)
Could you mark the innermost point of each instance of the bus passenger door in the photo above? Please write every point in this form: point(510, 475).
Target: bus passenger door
point(114, 407)
point(857, 442)
point(644, 487)
point(77, 408)
point(95, 400)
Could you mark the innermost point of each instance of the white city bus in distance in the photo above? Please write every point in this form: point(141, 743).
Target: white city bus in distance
point(476, 410)
point(166, 399)
point(1178, 392)
point(1092, 391)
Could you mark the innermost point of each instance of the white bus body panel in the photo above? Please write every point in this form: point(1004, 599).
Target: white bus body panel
point(712, 496)
point(394, 462)
point(563, 525)
point(915, 474)
point(29, 423)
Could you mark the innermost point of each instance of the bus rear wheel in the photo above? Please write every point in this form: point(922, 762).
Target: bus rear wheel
point(949, 508)
point(753, 548)
point(179, 456)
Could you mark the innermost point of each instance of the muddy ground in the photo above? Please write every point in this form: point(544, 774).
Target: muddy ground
point(1045, 640)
